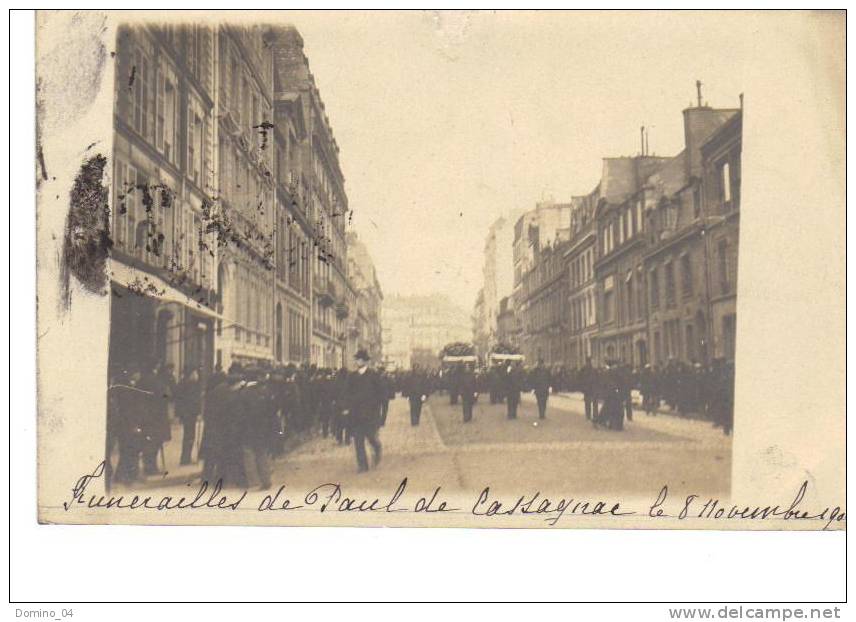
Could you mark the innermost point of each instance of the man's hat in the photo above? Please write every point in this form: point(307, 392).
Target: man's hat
point(362, 355)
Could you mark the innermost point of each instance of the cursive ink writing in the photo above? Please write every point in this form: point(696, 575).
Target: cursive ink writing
point(203, 498)
point(484, 506)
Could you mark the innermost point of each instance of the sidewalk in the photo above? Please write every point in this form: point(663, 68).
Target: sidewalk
point(175, 473)
point(637, 405)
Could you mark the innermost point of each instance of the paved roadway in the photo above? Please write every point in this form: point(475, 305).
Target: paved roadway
point(563, 454)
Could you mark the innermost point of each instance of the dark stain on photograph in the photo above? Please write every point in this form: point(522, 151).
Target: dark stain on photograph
point(87, 242)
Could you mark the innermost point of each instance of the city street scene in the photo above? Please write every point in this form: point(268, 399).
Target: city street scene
point(326, 269)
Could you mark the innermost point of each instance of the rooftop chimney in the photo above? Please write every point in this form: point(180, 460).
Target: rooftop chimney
point(642, 140)
point(698, 91)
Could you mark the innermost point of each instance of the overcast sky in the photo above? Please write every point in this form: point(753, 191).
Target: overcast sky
point(447, 120)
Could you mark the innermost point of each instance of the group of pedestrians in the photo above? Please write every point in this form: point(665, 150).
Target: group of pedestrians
point(234, 422)
point(246, 415)
point(685, 389)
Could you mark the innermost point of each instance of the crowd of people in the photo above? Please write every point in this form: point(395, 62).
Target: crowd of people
point(687, 390)
point(248, 414)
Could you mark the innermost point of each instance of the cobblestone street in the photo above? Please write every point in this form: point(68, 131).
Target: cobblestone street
point(562, 454)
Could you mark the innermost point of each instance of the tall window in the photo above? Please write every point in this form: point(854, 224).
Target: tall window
point(628, 296)
point(686, 276)
point(725, 178)
point(722, 262)
point(608, 299)
point(669, 270)
point(654, 279)
point(194, 148)
point(143, 104)
point(170, 121)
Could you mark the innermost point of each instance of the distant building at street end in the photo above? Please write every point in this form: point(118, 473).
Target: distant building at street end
point(506, 323)
point(481, 324)
point(498, 278)
point(364, 323)
point(415, 323)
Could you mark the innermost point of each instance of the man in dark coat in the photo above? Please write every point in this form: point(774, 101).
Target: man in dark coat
point(363, 399)
point(219, 438)
point(388, 393)
point(131, 405)
point(469, 391)
point(188, 405)
point(156, 428)
point(721, 401)
point(258, 428)
point(611, 415)
point(540, 382)
point(511, 388)
point(416, 390)
point(588, 386)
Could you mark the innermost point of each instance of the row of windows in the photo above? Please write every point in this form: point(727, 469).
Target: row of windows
point(241, 183)
point(624, 225)
point(298, 336)
point(167, 233)
point(244, 98)
point(582, 268)
point(548, 310)
point(254, 302)
point(294, 253)
point(151, 104)
point(582, 312)
point(686, 270)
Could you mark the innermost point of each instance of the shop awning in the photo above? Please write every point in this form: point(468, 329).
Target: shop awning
point(146, 284)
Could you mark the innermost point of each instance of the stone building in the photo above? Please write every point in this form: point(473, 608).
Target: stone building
point(294, 233)
point(678, 255)
point(247, 195)
point(721, 165)
point(230, 219)
point(165, 301)
point(543, 304)
point(320, 186)
point(533, 230)
point(506, 323)
point(622, 320)
point(580, 255)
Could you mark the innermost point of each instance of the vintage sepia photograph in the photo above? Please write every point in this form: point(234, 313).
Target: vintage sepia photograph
point(408, 268)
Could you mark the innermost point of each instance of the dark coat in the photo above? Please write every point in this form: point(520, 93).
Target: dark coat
point(188, 399)
point(363, 399)
point(540, 380)
point(468, 386)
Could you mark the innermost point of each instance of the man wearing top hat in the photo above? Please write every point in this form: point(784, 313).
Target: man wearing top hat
point(363, 409)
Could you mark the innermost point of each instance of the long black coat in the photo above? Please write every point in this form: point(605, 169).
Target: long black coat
point(364, 395)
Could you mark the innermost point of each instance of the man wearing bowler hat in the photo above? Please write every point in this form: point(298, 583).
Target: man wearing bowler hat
point(363, 409)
